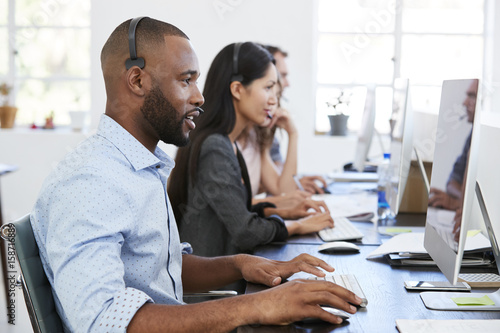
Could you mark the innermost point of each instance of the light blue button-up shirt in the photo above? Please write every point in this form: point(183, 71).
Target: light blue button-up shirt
point(106, 232)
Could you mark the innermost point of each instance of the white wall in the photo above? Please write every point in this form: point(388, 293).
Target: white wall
point(35, 153)
point(213, 24)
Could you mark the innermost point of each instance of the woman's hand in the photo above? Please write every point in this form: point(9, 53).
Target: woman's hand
point(287, 200)
point(303, 209)
point(283, 120)
point(310, 224)
point(309, 183)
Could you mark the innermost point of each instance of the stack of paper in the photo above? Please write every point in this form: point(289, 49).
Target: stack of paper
point(408, 249)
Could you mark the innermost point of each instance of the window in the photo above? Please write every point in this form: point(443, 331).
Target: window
point(372, 42)
point(47, 60)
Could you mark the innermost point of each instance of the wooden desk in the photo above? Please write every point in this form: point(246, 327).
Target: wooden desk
point(369, 230)
point(382, 284)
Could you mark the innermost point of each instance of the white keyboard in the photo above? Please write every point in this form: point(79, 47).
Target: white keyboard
point(348, 281)
point(343, 229)
point(480, 279)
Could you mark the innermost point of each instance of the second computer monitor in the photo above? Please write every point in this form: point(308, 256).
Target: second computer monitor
point(488, 182)
point(453, 175)
point(401, 143)
point(366, 130)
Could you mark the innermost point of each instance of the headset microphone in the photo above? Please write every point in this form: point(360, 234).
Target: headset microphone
point(134, 60)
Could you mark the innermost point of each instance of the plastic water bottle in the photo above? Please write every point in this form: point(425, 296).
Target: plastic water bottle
point(383, 172)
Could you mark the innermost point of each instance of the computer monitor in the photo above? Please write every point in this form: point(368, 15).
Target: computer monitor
point(365, 132)
point(492, 225)
point(484, 189)
point(421, 168)
point(401, 143)
point(487, 187)
point(455, 157)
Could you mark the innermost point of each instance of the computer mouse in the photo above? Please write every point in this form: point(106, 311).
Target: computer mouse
point(325, 190)
point(362, 217)
point(339, 313)
point(338, 246)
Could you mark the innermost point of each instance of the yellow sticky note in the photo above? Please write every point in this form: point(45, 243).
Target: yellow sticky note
point(397, 230)
point(485, 300)
point(472, 233)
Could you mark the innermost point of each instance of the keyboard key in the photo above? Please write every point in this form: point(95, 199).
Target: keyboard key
point(348, 281)
point(480, 279)
point(343, 230)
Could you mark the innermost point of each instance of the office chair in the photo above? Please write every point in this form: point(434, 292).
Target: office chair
point(36, 287)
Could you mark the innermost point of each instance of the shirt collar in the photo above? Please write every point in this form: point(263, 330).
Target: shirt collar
point(134, 151)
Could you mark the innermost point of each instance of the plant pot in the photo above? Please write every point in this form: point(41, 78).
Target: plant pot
point(338, 124)
point(7, 116)
point(78, 119)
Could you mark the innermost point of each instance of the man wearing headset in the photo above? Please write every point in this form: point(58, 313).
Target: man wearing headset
point(105, 228)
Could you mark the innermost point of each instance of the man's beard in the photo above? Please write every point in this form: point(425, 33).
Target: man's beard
point(163, 117)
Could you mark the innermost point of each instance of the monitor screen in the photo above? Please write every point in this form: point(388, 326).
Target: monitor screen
point(453, 175)
point(365, 132)
point(401, 143)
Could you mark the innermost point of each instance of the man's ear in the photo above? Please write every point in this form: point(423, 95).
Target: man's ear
point(136, 81)
point(236, 88)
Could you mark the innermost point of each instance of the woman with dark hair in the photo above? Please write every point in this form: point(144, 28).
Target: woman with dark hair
point(209, 187)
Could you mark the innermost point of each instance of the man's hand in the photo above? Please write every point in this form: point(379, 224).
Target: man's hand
point(299, 299)
point(440, 199)
point(273, 272)
point(309, 183)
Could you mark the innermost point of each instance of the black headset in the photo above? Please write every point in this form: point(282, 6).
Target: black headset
point(236, 76)
point(134, 60)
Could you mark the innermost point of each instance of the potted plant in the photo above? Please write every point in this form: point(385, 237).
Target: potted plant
point(7, 112)
point(339, 116)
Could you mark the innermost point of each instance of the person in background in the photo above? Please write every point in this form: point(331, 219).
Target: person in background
point(452, 197)
point(313, 184)
point(210, 188)
point(255, 143)
point(104, 225)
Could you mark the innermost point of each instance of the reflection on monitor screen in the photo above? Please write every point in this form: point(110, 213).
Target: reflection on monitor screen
point(401, 143)
point(453, 175)
point(365, 132)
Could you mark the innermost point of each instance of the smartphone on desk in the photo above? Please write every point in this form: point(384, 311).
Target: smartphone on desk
point(436, 286)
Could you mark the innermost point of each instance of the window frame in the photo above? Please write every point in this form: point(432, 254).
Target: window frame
point(398, 35)
point(16, 80)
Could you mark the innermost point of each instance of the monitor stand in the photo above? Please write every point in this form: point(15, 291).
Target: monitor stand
point(443, 301)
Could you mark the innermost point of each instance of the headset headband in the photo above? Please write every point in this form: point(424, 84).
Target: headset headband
point(134, 60)
point(236, 76)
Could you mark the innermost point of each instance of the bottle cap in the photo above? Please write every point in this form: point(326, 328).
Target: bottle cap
point(387, 155)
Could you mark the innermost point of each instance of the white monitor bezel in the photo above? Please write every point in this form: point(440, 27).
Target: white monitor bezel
point(401, 168)
point(449, 261)
point(365, 133)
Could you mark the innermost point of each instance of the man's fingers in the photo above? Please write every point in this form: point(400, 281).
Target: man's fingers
point(314, 261)
point(329, 293)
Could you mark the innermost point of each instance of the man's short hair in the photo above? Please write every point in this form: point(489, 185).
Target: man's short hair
point(275, 49)
point(149, 34)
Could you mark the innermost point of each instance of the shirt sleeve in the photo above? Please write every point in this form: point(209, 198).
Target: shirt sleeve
point(458, 172)
point(219, 182)
point(83, 242)
point(275, 151)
